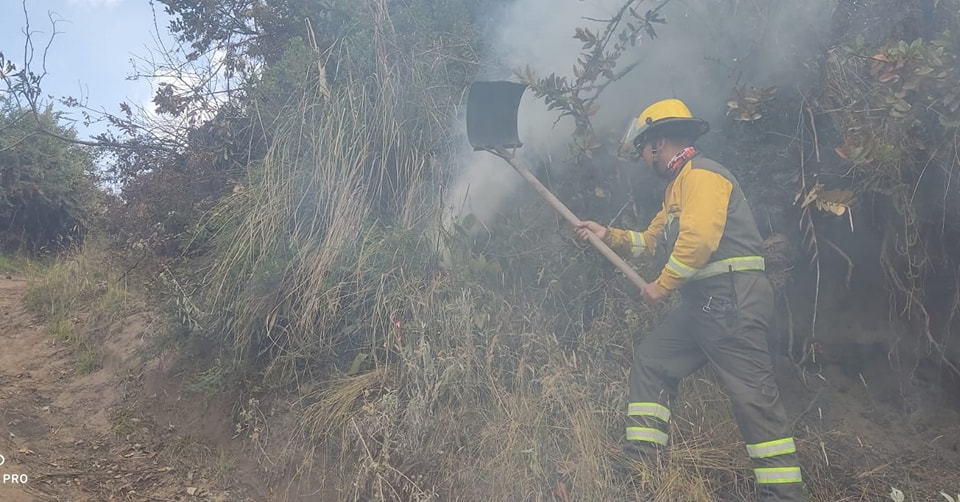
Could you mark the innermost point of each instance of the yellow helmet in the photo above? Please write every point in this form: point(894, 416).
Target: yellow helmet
point(665, 115)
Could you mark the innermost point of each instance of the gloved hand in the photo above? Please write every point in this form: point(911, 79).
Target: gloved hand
point(653, 293)
point(585, 228)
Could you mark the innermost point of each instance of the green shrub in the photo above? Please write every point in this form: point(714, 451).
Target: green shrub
point(48, 186)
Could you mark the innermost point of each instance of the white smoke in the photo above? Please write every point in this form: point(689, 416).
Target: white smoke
point(704, 50)
point(535, 34)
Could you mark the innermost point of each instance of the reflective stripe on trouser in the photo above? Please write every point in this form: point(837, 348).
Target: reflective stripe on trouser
point(776, 466)
point(736, 345)
point(773, 448)
point(647, 434)
point(647, 424)
point(778, 475)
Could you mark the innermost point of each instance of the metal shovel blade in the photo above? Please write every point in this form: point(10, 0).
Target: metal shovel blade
point(492, 108)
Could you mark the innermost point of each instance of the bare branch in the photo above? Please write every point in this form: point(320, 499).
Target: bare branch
point(24, 87)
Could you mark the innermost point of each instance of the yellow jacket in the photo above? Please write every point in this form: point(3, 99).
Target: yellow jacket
point(706, 215)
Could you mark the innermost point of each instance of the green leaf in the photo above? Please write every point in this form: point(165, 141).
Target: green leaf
point(357, 363)
point(480, 319)
point(468, 221)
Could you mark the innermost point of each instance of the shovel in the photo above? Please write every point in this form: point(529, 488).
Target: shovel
point(492, 126)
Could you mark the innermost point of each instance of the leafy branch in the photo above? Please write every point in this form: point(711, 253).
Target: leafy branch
point(898, 109)
point(596, 67)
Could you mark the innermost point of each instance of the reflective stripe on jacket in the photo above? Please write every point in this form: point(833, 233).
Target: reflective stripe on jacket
point(707, 218)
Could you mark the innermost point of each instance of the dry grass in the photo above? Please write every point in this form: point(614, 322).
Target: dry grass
point(81, 285)
point(502, 414)
point(502, 379)
point(14, 263)
point(298, 250)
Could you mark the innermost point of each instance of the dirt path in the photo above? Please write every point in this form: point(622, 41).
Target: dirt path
point(60, 435)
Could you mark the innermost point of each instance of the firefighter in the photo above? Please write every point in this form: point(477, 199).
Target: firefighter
point(726, 301)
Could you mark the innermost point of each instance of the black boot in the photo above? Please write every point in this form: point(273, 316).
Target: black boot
point(637, 459)
point(645, 453)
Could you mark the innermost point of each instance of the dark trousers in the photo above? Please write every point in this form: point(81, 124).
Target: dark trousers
point(722, 320)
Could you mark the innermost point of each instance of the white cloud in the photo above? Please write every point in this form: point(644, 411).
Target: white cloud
point(205, 77)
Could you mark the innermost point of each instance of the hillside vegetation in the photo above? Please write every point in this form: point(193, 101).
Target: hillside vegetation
point(298, 233)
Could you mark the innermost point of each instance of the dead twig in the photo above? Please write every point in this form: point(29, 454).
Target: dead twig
point(845, 257)
point(622, 209)
point(813, 128)
point(786, 302)
point(806, 410)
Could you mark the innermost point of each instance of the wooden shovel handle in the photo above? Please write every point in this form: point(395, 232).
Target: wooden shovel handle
point(571, 218)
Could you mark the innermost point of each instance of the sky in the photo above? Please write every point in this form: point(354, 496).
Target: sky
point(92, 50)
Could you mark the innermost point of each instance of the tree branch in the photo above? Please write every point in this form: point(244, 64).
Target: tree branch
point(25, 88)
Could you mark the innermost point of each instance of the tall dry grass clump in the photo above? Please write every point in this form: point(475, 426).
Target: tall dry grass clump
point(314, 235)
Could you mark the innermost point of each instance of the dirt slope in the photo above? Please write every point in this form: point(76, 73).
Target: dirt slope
point(128, 431)
point(83, 437)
